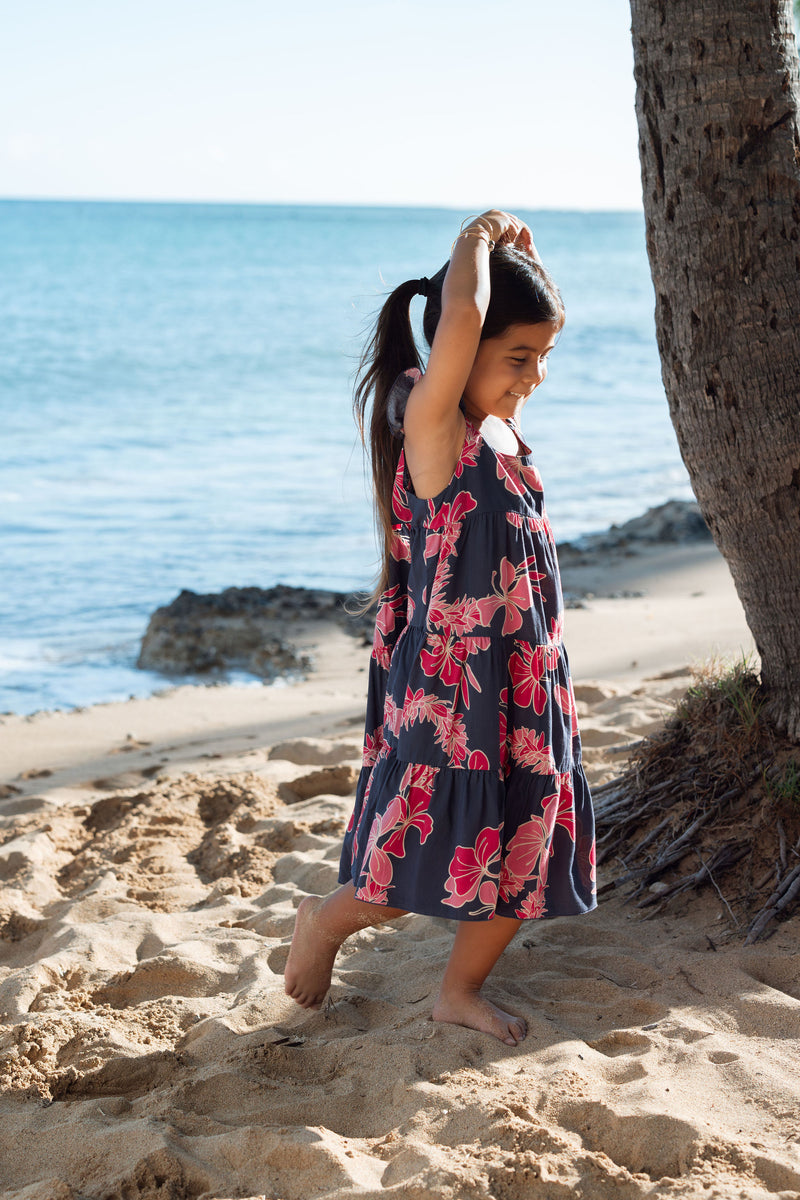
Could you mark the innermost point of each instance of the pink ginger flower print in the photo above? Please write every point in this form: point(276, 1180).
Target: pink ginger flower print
point(556, 635)
point(528, 748)
point(372, 746)
point(450, 732)
point(533, 906)
point(478, 761)
point(382, 656)
point(472, 870)
point(452, 737)
point(526, 667)
point(447, 522)
point(461, 616)
point(392, 715)
point(513, 595)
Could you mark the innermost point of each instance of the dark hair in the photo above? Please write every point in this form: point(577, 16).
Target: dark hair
point(521, 292)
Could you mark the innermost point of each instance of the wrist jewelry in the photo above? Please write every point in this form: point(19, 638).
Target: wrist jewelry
point(479, 233)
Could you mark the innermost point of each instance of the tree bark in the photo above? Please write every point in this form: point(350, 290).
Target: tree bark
point(717, 108)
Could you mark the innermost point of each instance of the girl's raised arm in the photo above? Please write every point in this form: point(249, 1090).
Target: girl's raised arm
point(433, 424)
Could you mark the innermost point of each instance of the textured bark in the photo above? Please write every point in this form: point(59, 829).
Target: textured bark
point(717, 107)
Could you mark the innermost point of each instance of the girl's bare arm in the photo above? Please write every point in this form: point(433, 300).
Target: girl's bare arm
point(434, 426)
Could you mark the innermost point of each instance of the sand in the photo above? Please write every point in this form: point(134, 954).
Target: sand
point(154, 853)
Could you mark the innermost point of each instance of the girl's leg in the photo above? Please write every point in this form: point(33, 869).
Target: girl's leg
point(320, 928)
point(476, 949)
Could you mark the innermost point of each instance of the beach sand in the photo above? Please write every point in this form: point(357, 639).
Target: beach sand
point(154, 853)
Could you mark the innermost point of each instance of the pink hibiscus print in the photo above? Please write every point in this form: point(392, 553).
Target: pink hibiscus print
point(447, 658)
point(446, 522)
point(400, 546)
point(391, 605)
point(526, 667)
point(409, 809)
point(559, 809)
point(513, 595)
point(517, 475)
point(371, 892)
point(527, 846)
point(565, 698)
point(471, 871)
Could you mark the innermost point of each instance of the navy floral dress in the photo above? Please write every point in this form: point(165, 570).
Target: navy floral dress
point(472, 800)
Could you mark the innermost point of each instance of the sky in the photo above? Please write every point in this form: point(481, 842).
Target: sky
point(445, 103)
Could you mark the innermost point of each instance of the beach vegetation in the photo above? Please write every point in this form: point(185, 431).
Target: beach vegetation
point(711, 800)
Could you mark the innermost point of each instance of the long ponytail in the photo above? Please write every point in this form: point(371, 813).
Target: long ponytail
point(390, 350)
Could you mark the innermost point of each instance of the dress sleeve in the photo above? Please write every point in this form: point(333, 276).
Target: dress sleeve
point(398, 398)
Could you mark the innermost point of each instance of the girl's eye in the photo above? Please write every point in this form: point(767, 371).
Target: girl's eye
point(518, 361)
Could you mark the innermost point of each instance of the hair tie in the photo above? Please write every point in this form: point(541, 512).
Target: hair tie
point(422, 286)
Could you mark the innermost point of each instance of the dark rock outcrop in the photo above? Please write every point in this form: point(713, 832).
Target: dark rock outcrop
point(674, 521)
point(241, 628)
point(251, 628)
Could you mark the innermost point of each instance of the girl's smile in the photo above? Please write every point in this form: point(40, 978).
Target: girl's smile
point(508, 368)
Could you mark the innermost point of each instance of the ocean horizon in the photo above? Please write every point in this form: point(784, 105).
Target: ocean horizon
point(176, 392)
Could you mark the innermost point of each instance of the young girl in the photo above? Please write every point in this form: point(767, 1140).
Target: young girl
point(472, 802)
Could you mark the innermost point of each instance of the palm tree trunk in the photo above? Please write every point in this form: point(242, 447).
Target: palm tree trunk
point(717, 107)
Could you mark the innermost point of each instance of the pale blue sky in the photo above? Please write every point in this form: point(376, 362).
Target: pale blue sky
point(430, 102)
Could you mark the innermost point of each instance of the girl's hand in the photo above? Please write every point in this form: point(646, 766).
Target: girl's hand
point(506, 229)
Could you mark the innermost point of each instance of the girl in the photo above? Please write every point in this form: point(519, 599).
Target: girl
point(472, 801)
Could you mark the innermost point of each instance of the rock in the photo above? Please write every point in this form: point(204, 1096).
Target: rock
point(673, 521)
point(242, 628)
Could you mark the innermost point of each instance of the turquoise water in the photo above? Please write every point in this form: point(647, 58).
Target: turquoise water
point(175, 390)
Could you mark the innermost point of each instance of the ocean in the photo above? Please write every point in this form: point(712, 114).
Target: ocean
point(175, 396)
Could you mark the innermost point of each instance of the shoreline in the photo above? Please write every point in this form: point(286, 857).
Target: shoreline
point(283, 622)
point(678, 606)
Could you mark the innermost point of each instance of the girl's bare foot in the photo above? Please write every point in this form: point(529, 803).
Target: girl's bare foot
point(473, 1010)
point(307, 976)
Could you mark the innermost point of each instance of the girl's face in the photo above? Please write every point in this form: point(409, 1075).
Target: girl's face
point(508, 367)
